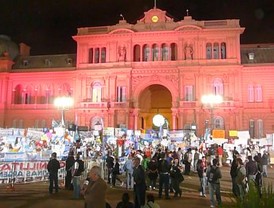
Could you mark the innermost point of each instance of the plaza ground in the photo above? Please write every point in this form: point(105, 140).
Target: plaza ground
point(33, 195)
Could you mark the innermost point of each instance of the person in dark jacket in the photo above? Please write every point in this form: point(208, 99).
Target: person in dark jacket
point(139, 183)
point(233, 174)
point(201, 170)
point(176, 177)
point(116, 173)
point(110, 164)
point(69, 165)
point(164, 171)
point(53, 167)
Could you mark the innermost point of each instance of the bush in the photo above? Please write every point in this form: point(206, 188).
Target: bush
point(253, 200)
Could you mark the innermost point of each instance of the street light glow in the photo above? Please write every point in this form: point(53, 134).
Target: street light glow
point(212, 99)
point(63, 102)
point(158, 120)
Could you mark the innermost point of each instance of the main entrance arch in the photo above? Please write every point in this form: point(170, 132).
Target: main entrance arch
point(154, 99)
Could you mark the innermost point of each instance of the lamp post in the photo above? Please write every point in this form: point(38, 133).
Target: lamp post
point(63, 103)
point(212, 100)
point(98, 126)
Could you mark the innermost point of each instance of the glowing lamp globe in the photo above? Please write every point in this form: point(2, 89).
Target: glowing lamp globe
point(158, 120)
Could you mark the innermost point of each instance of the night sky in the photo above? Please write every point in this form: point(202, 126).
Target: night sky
point(47, 25)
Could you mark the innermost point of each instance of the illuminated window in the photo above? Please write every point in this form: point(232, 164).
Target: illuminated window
point(155, 52)
point(223, 50)
point(164, 50)
point(146, 53)
point(189, 94)
point(121, 94)
point(258, 94)
point(216, 51)
point(208, 51)
point(218, 87)
point(96, 91)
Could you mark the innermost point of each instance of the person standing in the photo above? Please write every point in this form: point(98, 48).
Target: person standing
point(220, 153)
point(196, 158)
point(251, 169)
point(164, 171)
point(95, 192)
point(187, 161)
point(110, 164)
point(233, 174)
point(176, 177)
point(240, 178)
point(265, 163)
point(77, 170)
point(139, 183)
point(152, 172)
point(53, 166)
point(213, 174)
point(201, 169)
point(116, 172)
point(128, 168)
point(69, 164)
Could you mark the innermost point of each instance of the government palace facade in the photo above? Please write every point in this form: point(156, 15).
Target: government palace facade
point(125, 74)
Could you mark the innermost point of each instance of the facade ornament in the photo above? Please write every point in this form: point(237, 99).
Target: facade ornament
point(188, 51)
point(122, 53)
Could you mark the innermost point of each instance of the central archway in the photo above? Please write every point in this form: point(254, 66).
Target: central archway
point(154, 99)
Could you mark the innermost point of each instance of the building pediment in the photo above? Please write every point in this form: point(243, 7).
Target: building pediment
point(155, 16)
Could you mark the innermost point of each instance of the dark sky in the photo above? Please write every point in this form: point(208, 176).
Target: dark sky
point(47, 25)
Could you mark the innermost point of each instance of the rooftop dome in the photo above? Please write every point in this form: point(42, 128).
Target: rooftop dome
point(7, 45)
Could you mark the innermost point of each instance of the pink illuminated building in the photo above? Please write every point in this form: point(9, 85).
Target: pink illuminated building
point(124, 74)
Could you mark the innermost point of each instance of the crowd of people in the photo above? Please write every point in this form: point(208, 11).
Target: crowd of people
point(161, 171)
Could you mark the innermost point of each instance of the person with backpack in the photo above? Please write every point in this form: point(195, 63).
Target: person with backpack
point(77, 170)
point(214, 174)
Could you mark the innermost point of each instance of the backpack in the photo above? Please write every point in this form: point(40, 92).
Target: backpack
point(212, 176)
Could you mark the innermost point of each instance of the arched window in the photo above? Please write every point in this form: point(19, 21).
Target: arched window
point(17, 94)
point(96, 92)
point(252, 128)
point(250, 95)
point(218, 122)
point(164, 52)
point(208, 51)
point(218, 87)
point(90, 55)
point(173, 54)
point(155, 52)
point(146, 50)
point(260, 128)
point(97, 55)
point(136, 53)
point(223, 50)
point(216, 50)
point(103, 55)
point(258, 93)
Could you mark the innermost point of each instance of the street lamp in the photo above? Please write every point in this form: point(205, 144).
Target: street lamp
point(159, 120)
point(212, 100)
point(63, 103)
